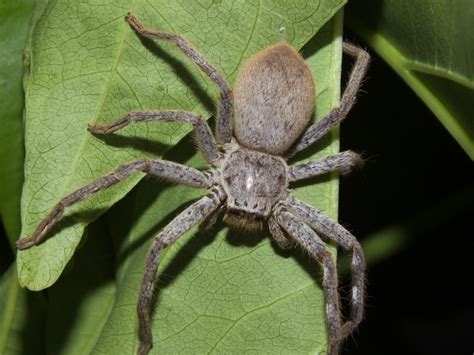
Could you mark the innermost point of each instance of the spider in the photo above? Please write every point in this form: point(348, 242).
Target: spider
point(274, 98)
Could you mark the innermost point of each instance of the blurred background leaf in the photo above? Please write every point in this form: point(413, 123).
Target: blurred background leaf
point(14, 19)
point(430, 44)
point(21, 312)
point(22, 317)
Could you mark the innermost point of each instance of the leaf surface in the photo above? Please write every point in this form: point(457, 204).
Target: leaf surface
point(87, 66)
point(430, 45)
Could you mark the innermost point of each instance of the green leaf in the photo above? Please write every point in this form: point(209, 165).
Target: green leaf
point(14, 18)
point(429, 44)
point(224, 291)
point(87, 65)
point(22, 315)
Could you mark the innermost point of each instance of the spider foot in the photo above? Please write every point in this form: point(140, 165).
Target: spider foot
point(25, 243)
point(355, 162)
point(136, 24)
point(348, 328)
point(144, 349)
point(96, 129)
point(105, 129)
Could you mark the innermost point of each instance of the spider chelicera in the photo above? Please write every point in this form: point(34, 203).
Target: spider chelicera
point(271, 105)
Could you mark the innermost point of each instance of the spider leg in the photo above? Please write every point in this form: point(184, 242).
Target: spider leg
point(278, 235)
point(334, 231)
point(191, 216)
point(224, 116)
point(212, 219)
point(322, 127)
point(307, 238)
point(162, 168)
point(343, 163)
point(204, 138)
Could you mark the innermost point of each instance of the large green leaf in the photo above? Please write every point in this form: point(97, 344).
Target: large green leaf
point(224, 291)
point(429, 44)
point(14, 18)
point(87, 65)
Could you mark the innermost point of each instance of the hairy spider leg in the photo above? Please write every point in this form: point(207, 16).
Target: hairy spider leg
point(203, 135)
point(319, 129)
point(278, 234)
point(191, 216)
point(344, 163)
point(307, 238)
point(224, 115)
point(162, 168)
point(341, 236)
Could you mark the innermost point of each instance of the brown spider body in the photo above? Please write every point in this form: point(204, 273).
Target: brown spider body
point(274, 99)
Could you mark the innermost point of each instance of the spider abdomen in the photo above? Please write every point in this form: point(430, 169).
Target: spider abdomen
point(253, 182)
point(274, 99)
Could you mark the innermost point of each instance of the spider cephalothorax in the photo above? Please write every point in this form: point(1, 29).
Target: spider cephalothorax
point(253, 182)
point(274, 99)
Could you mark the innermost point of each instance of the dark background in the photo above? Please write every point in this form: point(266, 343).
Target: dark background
point(420, 299)
point(418, 178)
